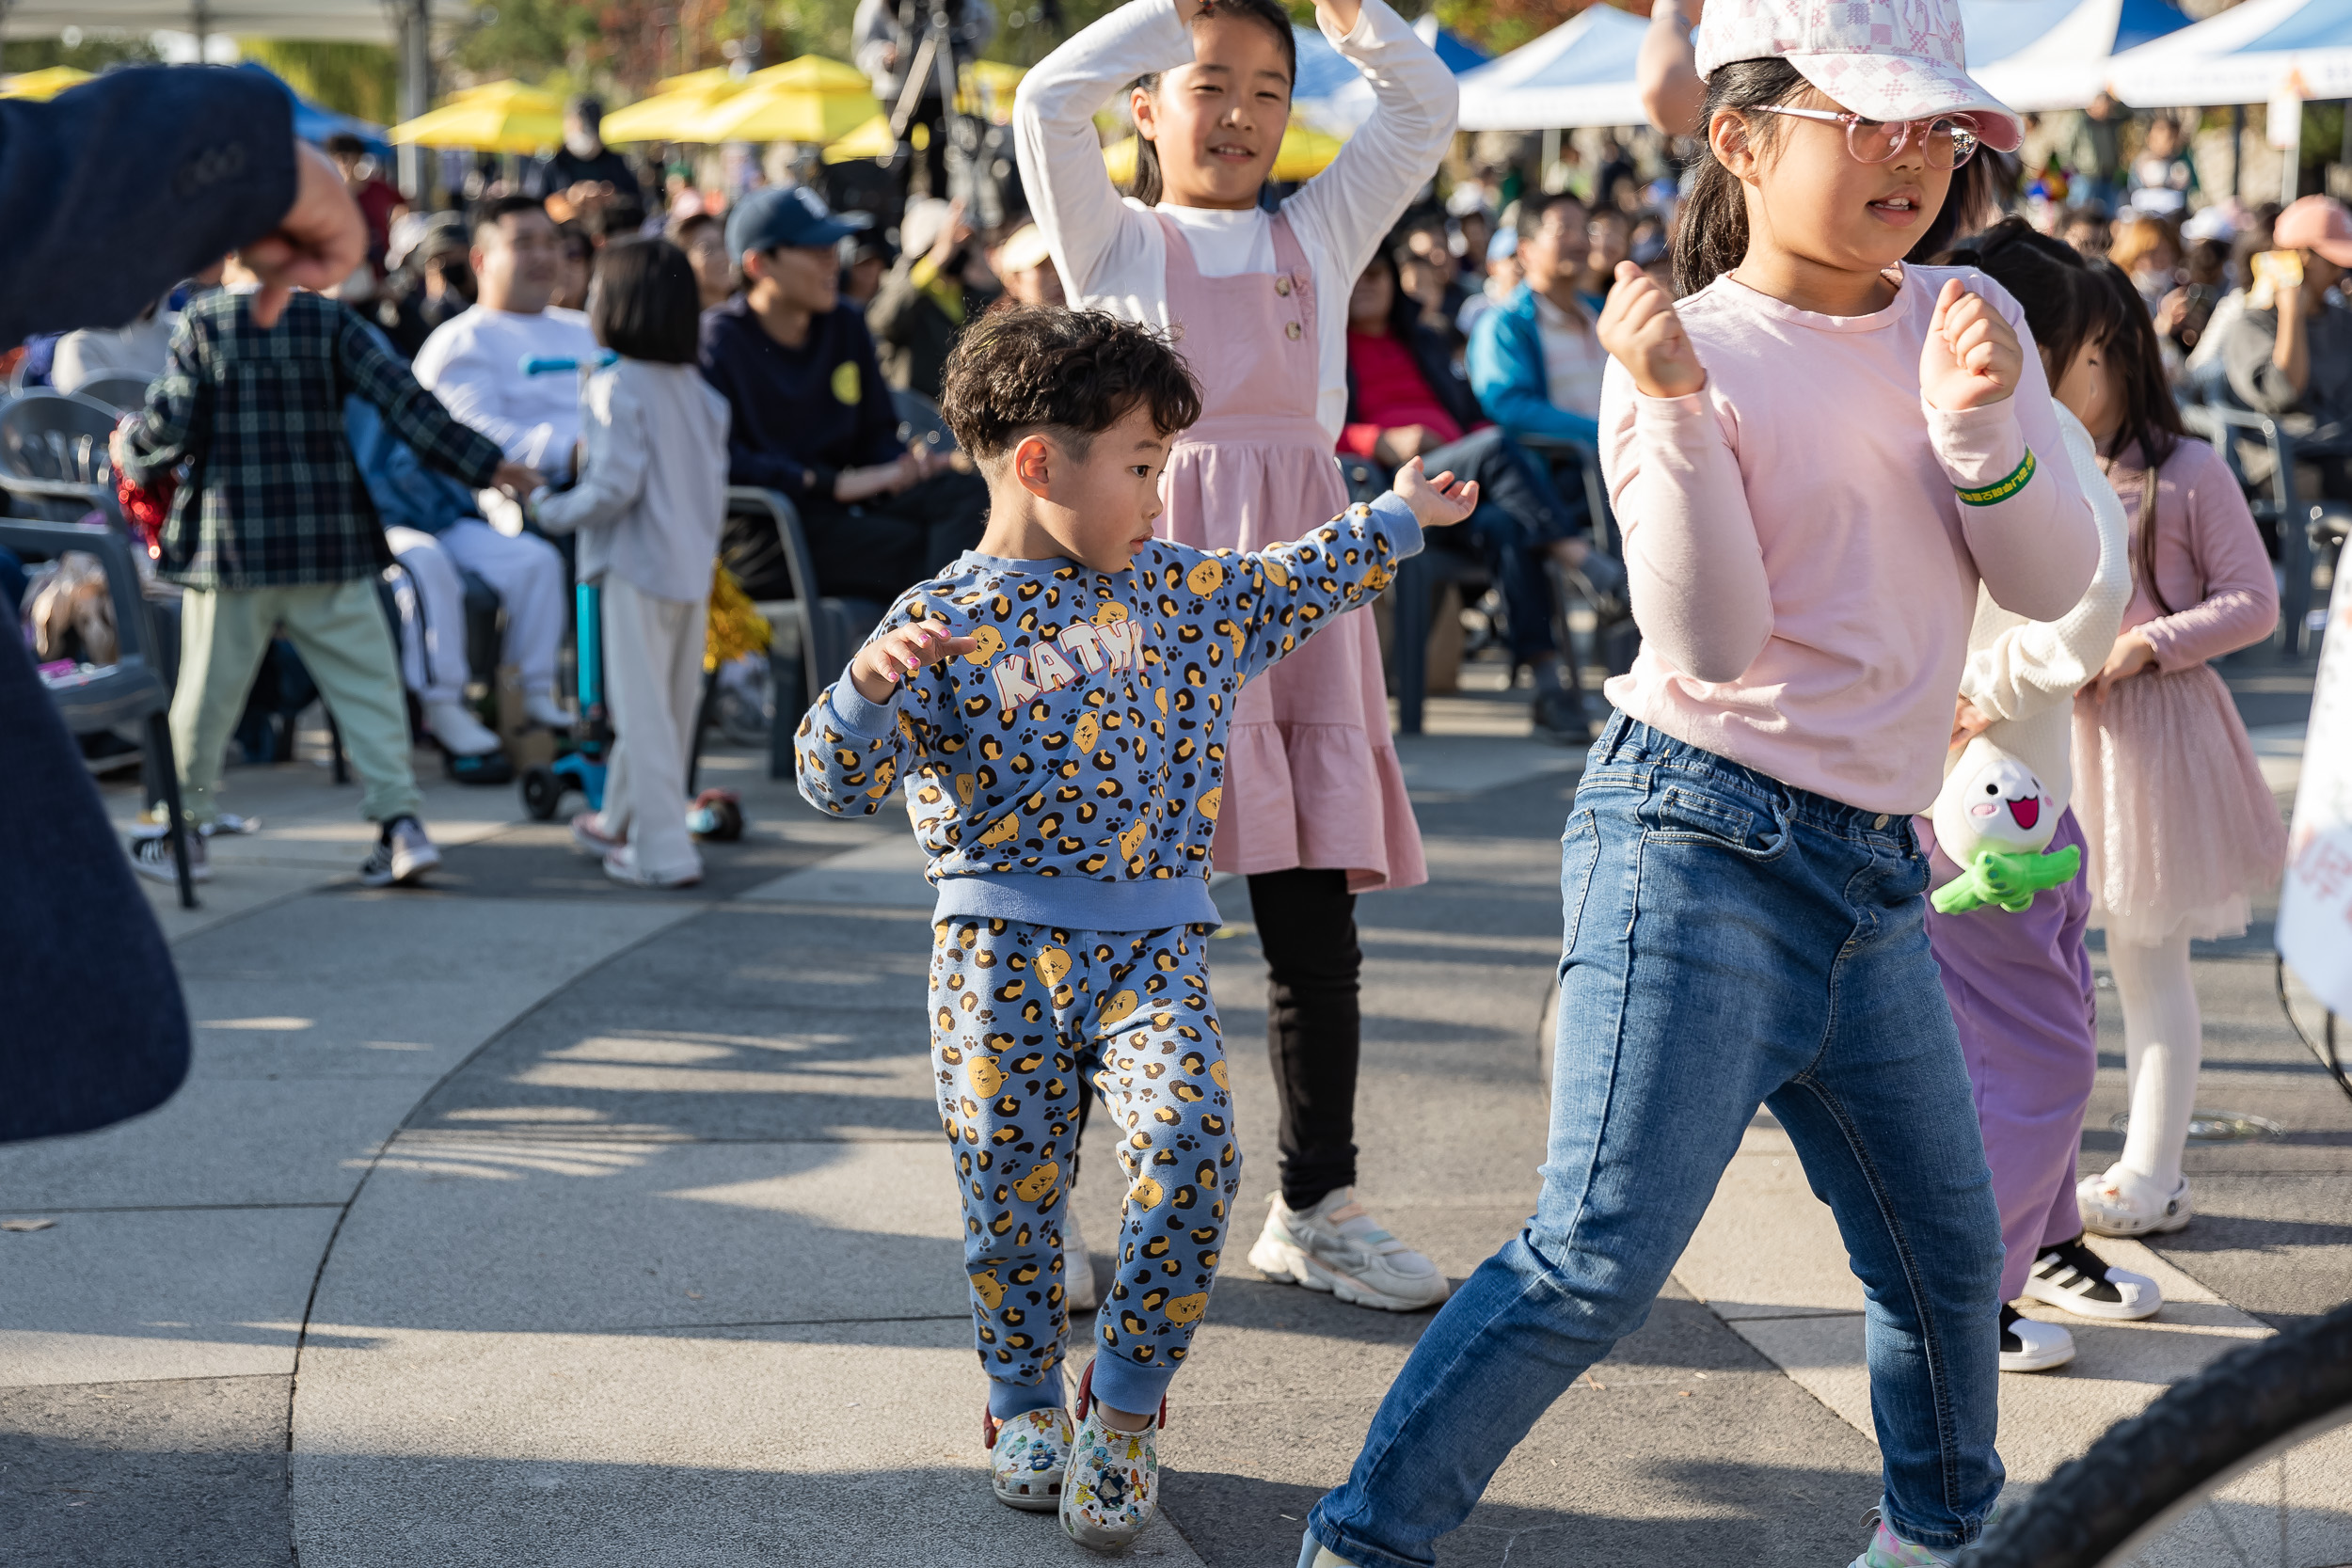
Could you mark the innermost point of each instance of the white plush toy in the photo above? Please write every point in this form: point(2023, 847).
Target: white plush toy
point(1994, 819)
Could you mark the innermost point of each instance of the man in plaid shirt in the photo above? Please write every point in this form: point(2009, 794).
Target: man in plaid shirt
point(272, 527)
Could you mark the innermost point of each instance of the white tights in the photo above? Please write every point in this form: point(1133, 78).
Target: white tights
point(2163, 1041)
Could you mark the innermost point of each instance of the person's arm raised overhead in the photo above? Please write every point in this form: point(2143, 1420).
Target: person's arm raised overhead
point(1693, 565)
point(1358, 198)
point(1667, 70)
point(2027, 526)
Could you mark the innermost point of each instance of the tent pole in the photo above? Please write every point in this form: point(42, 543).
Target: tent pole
point(201, 22)
point(2237, 149)
point(2291, 176)
point(415, 90)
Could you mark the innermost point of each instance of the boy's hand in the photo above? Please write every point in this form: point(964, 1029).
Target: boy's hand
point(1641, 331)
point(1971, 358)
point(517, 479)
point(888, 660)
point(1436, 502)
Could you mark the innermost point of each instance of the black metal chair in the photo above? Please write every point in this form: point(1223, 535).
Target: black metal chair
point(817, 635)
point(134, 689)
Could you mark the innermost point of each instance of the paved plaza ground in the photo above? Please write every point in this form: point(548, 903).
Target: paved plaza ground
point(529, 1220)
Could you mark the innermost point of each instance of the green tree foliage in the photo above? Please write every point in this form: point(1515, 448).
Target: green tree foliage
point(93, 53)
point(356, 78)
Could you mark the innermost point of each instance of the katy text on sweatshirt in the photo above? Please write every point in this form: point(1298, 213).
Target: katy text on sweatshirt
point(1069, 770)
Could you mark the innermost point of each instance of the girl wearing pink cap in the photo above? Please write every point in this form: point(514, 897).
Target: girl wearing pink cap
point(1817, 456)
point(1315, 810)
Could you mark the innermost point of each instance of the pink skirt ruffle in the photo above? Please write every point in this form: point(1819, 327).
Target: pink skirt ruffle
point(1311, 772)
point(2183, 830)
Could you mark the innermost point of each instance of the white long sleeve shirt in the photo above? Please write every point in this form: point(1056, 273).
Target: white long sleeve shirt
point(1112, 253)
point(2022, 675)
point(474, 364)
point(652, 494)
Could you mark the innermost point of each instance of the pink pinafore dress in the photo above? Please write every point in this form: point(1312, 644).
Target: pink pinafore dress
point(1311, 771)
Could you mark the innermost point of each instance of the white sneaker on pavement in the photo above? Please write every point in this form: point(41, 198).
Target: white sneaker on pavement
point(1027, 1457)
point(2122, 1203)
point(621, 865)
point(1314, 1554)
point(403, 855)
point(459, 732)
point(2028, 1346)
point(542, 709)
point(1337, 1247)
point(589, 837)
point(2072, 1277)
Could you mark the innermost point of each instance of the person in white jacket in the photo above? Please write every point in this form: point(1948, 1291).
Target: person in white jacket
point(2019, 980)
point(649, 508)
point(1314, 808)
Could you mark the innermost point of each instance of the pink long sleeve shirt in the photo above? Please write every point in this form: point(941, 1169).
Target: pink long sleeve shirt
point(1803, 570)
point(2210, 561)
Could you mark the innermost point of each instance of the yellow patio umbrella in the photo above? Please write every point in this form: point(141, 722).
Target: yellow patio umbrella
point(497, 117)
point(1304, 155)
point(869, 140)
point(671, 116)
point(42, 84)
point(808, 99)
point(708, 77)
point(988, 90)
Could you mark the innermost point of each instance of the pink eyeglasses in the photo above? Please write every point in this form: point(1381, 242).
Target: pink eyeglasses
point(1947, 141)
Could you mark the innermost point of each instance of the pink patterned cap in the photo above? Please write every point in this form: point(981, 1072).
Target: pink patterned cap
point(1887, 59)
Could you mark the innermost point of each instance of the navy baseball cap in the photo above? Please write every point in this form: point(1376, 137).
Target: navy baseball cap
point(792, 216)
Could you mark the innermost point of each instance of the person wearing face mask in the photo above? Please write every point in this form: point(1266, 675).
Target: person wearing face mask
point(584, 168)
point(474, 364)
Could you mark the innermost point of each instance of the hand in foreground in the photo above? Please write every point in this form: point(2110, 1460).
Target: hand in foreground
point(517, 479)
point(2131, 654)
point(1642, 332)
point(1968, 722)
point(1436, 502)
point(888, 660)
point(1971, 358)
point(320, 242)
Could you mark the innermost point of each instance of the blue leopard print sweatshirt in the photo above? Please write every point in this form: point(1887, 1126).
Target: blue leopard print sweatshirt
point(1068, 770)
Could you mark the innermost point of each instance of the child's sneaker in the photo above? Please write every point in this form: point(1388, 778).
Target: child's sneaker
point(2118, 1204)
point(589, 837)
point(1337, 1247)
point(403, 855)
point(2072, 1277)
point(621, 865)
point(2028, 1346)
point(150, 857)
point(1314, 1554)
point(1112, 1487)
point(1888, 1550)
point(1028, 1458)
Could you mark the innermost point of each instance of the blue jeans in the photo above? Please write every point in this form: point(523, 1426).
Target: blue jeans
point(1729, 941)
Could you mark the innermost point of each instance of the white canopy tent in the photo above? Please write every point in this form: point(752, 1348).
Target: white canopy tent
point(1581, 73)
point(2041, 54)
point(405, 24)
point(2250, 54)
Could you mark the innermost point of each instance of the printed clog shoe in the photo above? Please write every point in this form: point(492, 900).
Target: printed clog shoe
point(1113, 1486)
point(1027, 1457)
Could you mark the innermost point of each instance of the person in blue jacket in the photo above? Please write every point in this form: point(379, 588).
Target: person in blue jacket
point(110, 195)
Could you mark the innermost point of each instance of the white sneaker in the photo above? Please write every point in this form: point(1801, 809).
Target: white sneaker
point(589, 837)
point(1314, 1554)
point(2121, 1204)
point(2028, 1346)
point(542, 709)
point(621, 865)
point(401, 856)
point(1112, 1487)
point(1337, 1247)
point(459, 732)
point(2072, 1277)
point(1028, 1458)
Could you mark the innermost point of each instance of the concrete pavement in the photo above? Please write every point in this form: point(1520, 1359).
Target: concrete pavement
point(532, 1220)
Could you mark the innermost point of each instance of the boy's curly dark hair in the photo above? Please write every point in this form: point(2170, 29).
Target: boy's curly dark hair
point(1024, 368)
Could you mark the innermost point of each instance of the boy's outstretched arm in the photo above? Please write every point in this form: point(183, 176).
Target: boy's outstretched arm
point(1282, 594)
point(851, 746)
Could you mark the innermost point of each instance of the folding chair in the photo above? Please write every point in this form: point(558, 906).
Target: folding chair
point(816, 634)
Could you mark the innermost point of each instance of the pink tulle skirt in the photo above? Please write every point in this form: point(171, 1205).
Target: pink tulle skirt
point(2182, 828)
point(1311, 771)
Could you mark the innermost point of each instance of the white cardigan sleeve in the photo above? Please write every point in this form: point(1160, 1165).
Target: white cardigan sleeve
point(613, 476)
point(2036, 665)
point(1348, 207)
point(1093, 232)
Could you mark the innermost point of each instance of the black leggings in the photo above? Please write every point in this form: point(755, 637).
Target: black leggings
point(1307, 925)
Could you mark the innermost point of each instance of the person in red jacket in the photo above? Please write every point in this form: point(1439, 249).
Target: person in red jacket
point(1405, 401)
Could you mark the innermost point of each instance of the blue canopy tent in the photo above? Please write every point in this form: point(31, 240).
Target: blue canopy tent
point(2040, 55)
point(1581, 73)
point(2250, 54)
point(315, 122)
point(1332, 96)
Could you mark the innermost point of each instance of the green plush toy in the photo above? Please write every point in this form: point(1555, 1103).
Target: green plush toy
point(2009, 881)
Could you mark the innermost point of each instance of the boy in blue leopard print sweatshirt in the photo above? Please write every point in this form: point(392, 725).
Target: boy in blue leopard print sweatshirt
point(1054, 710)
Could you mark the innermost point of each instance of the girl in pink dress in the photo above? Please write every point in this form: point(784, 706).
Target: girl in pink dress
point(1315, 809)
point(2182, 828)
